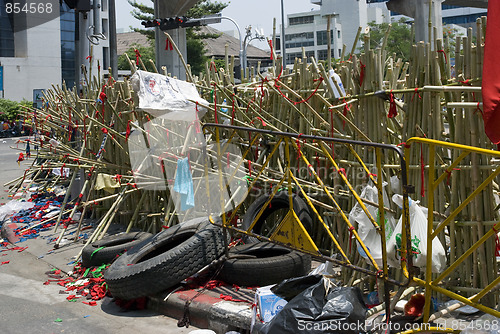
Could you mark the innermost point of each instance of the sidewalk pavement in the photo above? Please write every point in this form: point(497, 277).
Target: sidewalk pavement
point(221, 308)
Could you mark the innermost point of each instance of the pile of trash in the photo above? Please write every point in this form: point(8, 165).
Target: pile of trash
point(33, 212)
point(85, 284)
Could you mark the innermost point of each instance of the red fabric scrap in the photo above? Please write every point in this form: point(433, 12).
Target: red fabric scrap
point(491, 74)
point(213, 284)
point(392, 109)
point(137, 55)
point(168, 45)
point(127, 133)
point(72, 297)
point(231, 299)
point(361, 73)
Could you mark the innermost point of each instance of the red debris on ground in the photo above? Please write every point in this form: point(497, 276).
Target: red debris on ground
point(86, 283)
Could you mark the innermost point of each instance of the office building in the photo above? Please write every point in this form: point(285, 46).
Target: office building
point(34, 55)
point(308, 30)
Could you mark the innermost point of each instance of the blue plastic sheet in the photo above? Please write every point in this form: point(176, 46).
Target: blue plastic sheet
point(184, 184)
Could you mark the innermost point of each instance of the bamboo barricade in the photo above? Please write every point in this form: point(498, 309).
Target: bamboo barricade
point(386, 100)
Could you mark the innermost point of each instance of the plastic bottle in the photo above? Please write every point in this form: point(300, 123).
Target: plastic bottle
point(225, 113)
point(336, 77)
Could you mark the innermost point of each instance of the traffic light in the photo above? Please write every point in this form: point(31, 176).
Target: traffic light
point(186, 22)
point(150, 23)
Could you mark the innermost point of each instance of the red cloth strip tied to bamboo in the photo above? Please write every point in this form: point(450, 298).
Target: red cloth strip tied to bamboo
point(392, 108)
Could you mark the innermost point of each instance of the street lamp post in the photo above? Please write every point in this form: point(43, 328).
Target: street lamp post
point(258, 35)
point(283, 53)
point(241, 42)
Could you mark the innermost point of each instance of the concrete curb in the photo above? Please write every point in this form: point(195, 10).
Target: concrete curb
point(206, 310)
point(7, 232)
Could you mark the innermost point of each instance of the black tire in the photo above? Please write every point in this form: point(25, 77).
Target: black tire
point(273, 215)
point(106, 249)
point(165, 260)
point(271, 264)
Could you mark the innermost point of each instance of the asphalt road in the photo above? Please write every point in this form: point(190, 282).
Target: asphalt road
point(29, 306)
point(9, 169)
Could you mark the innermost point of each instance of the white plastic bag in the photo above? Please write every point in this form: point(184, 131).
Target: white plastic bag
point(336, 77)
point(418, 230)
point(13, 207)
point(63, 172)
point(167, 97)
point(366, 231)
point(395, 184)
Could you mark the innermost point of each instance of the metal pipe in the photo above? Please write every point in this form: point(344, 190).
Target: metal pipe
point(283, 52)
point(113, 56)
point(96, 11)
point(241, 41)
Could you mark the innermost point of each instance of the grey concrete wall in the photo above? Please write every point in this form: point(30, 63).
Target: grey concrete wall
point(38, 65)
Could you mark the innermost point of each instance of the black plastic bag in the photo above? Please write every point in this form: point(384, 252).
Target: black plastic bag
point(291, 287)
point(320, 309)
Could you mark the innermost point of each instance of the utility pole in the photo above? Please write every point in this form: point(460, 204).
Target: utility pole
point(113, 56)
point(283, 53)
point(165, 56)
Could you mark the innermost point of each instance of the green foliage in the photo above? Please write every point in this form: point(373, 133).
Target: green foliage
point(194, 40)
point(206, 7)
point(143, 13)
point(195, 52)
point(451, 34)
point(219, 63)
point(10, 110)
point(399, 40)
point(146, 52)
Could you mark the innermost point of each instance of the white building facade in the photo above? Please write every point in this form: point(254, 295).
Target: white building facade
point(34, 59)
point(308, 30)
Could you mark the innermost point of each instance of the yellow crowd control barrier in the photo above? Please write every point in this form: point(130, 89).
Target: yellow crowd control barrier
point(289, 230)
point(436, 176)
point(274, 165)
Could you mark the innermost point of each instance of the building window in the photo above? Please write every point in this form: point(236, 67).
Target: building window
point(338, 34)
point(68, 28)
point(299, 36)
point(299, 40)
point(104, 26)
point(462, 19)
point(448, 6)
point(105, 57)
point(290, 57)
point(299, 44)
point(321, 37)
point(300, 20)
point(6, 32)
point(322, 54)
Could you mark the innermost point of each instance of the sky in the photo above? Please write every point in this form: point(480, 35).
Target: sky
point(257, 13)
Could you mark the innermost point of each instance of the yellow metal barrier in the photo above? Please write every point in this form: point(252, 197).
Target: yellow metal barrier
point(291, 233)
point(430, 283)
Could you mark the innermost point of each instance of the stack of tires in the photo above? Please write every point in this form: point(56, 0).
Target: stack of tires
point(262, 263)
point(165, 259)
point(155, 263)
point(110, 248)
